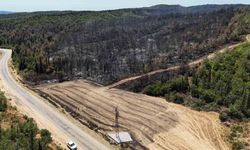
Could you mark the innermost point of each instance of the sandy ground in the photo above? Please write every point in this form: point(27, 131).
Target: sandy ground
point(154, 123)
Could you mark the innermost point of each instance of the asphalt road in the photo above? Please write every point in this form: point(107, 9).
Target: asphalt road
point(46, 116)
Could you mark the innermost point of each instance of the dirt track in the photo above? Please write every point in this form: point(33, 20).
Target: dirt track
point(190, 64)
point(155, 123)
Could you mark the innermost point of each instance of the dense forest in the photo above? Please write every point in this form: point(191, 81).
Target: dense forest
point(107, 46)
point(221, 85)
point(20, 132)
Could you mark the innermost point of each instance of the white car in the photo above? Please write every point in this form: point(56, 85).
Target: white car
point(71, 145)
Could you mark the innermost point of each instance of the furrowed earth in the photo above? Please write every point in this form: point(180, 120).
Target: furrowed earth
point(153, 122)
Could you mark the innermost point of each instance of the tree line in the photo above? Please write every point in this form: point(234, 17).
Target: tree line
point(221, 85)
point(110, 45)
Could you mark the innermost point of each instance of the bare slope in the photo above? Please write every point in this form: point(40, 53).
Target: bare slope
point(155, 123)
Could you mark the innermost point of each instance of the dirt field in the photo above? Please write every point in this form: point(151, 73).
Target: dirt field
point(153, 122)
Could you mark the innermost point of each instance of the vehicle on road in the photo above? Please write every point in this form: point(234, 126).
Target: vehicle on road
point(71, 145)
point(35, 107)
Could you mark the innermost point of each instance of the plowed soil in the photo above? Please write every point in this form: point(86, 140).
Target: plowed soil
point(153, 122)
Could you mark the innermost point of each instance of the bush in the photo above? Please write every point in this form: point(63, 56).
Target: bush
point(232, 113)
point(198, 105)
point(154, 90)
point(234, 137)
point(24, 134)
point(208, 96)
point(45, 136)
point(3, 102)
point(247, 113)
point(179, 84)
point(194, 91)
point(235, 113)
point(235, 134)
point(174, 97)
point(237, 128)
point(238, 145)
point(21, 135)
point(224, 116)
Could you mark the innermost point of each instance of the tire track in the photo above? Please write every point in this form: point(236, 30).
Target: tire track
point(153, 122)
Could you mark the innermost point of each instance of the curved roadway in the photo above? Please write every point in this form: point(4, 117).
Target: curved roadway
point(46, 116)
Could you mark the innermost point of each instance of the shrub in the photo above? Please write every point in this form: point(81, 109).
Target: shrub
point(238, 145)
point(174, 97)
point(224, 116)
point(179, 84)
point(194, 91)
point(208, 96)
point(247, 113)
point(46, 136)
point(154, 90)
point(3, 102)
point(234, 137)
point(235, 113)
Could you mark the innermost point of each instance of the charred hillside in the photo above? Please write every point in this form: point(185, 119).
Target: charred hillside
point(107, 46)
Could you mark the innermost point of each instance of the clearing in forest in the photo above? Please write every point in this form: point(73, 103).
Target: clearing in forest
point(153, 122)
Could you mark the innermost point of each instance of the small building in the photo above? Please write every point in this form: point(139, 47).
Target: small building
point(120, 137)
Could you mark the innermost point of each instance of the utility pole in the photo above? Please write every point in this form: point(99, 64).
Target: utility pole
point(117, 122)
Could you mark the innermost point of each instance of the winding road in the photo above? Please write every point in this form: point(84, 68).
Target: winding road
point(45, 115)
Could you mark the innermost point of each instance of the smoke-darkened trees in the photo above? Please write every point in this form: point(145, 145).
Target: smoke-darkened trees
point(110, 45)
point(221, 85)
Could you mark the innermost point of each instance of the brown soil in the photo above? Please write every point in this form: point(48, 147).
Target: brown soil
point(153, 122)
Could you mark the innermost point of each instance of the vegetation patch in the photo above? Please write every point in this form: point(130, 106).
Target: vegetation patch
point(239, 136)
point(108, 46)
point(20, 132)
point(222, 85)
